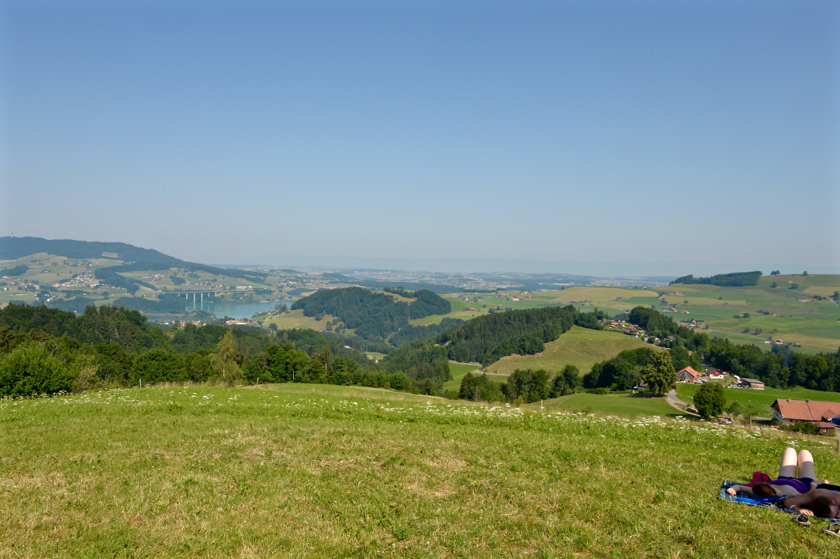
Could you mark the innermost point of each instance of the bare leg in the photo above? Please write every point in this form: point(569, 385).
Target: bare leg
point(806, 465)
point(789, 462)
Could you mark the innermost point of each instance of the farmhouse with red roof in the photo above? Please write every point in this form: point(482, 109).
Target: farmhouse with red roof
point(688, 375)
point(790, 412)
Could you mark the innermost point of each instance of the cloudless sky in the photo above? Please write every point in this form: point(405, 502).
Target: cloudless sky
point(620, 137)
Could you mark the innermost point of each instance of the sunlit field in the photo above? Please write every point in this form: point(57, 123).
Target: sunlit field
point(762, 399)
point(297, 471)
point(580, 347)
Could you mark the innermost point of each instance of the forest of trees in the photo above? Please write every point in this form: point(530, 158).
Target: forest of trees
point(408, 334)
point(487, 339)
point(781, 368)
point(15, 271)
point(371, 315)
point(523, 386)
point(737, 279)
point(622, 372)
point(46, 350)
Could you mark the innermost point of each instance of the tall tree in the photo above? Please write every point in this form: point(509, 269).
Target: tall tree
point(659, 373)
point(710, 400)
point(227, 359)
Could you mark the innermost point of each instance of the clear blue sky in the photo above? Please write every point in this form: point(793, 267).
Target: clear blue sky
point(621, 137)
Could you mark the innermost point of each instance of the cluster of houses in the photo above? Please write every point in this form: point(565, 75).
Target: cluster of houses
point(244, 322)
point(824, 415)
point(182, 323)
point(79, 280)
point(625, 327)
point(690, 376)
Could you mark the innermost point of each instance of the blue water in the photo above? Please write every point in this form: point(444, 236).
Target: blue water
point(234, 310)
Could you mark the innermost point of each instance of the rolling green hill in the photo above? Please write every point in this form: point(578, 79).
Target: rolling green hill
point(581, 347)
point(71, 275)
point(132, 258)
point(776, 313)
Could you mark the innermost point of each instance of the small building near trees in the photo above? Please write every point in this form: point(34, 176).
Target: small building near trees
point(752, 383)
point(688, 375)
point(791, 412)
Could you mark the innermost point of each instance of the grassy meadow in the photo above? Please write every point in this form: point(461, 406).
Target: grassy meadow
point(580, 347)
point(813, 324)
point(458, 370)
point(303, 471)
point(761, 398)
point(629, 405)
point(295, 319)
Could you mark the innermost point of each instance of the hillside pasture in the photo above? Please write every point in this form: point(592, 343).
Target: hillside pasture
point(295, 319)
point(287, 472)
point(813, 323)
point(615, 297)
point(458, 370)
point(627, 405)
point(760, 398)
point(580, 347)
point(810, 280)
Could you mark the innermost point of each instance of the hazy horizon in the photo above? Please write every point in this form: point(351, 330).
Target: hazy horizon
point(594, 138)
point(496, 265)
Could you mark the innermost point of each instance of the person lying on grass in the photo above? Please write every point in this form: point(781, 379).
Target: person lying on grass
point(787, 483)
point(819, 502)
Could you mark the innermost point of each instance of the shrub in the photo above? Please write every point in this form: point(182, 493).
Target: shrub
point(806, 428)
point(32, 370)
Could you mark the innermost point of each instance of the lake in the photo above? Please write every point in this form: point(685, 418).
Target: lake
point(235, 310)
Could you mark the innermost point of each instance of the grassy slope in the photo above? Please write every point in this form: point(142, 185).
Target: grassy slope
point(813, 324)
point(211, 472)
point(612, 404)
point(763, 398)
point(295, 319)
point(580, 347)
point(458, 370)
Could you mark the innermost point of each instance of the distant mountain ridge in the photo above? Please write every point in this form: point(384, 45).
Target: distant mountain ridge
point(12, 248)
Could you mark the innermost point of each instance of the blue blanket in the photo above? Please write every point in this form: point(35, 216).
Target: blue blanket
point(754, 501)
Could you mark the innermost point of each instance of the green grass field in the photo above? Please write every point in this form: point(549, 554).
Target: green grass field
point(813, 324)
point(295, 319)
point(458, 370)
point(580, 347)
point(761, 398)
point(610, 404)
point(314, 471)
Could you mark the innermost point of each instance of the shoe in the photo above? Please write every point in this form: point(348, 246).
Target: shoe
point(833, 530)
point(802, 520)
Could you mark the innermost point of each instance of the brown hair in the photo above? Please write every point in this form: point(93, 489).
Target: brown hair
point(763, 490)
point(822, 506)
